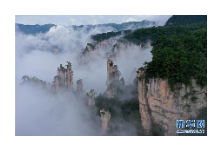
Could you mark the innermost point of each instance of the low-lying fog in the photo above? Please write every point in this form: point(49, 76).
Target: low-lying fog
point(40, 113)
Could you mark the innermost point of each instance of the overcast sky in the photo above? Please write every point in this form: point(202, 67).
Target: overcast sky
point(85, 19)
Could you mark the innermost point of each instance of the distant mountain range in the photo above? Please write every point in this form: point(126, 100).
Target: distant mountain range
point(34, 29)
point(119, 27)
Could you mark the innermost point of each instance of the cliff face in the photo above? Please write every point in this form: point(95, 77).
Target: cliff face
point(91, 98)
point(123, 46)
point(119, 47)
point(116, 49)
point(88, 53)
point(145, 44)
point(113, 75)
point(69, 75)
point(159, 105)
point(64, 78)
point(105, 117)
point(104, 43)
point(92, 50)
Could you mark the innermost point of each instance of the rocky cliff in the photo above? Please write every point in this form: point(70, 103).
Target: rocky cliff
point(88, 53)
point(113, 75)
point(105, 117)
point(112, 46)
point(64, 78)
point(159, 105)
point(91, 98)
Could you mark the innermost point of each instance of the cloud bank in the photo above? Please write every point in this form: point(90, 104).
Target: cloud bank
point(38, 112)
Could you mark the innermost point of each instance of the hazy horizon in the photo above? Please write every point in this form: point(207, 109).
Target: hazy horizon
point(68, 20)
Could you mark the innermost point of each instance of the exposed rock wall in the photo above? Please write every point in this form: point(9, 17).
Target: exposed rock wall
point(88, 53)
point(158, 104)
point(105, 117)
point(107, 43)
point(116, 49)
point(69, 76)
point(91, 97)
point(145, 44)
point(104, 43)
point(113, 75)
point(64, 78)
point(92, 50)
point(55, 87)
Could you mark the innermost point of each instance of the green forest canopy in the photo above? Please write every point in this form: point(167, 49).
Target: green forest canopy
point(180, 57)
point(153, 33)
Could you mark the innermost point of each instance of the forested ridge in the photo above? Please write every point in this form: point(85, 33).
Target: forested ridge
point(180, 58)
point(153, 33)
point(104, 36)
point(186, 19)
